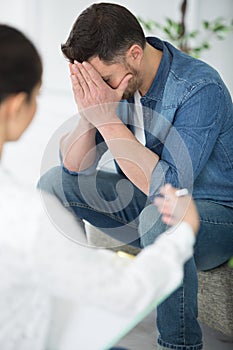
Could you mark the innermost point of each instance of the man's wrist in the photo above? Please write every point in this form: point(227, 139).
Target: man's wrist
point(110, 125)
point(84, 122)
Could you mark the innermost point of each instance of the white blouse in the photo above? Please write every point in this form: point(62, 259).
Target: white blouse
point(38, 263)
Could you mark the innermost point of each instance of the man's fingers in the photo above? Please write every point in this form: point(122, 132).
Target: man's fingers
point(74, 81)
point(85, 73)
point(123, 84)
point(77, 88)
point(81, 79)
point(95, 77)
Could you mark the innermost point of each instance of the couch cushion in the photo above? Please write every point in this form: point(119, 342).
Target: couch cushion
point(215, 298)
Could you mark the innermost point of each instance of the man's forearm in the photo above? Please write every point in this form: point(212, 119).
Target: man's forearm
point(78, 148)
point(135, 160)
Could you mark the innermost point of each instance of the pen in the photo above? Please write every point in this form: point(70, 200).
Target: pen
point(182, 192)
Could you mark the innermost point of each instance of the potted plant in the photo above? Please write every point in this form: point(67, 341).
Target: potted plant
point(176, 31)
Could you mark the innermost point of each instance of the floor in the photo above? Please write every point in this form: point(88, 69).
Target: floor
point(24, 159)
point(143, 336)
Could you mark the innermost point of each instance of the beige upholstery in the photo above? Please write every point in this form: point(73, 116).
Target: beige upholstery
point(215, 299)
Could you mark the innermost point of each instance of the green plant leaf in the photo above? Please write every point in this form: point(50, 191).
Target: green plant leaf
point(217, 28)
point(197, 49)
point(167, 31)
point(170, 21)
point(194, 34)
point(206, 24)
point(205, 45)
point(231, 262)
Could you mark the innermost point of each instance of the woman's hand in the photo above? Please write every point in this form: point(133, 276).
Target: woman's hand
point(175, 209)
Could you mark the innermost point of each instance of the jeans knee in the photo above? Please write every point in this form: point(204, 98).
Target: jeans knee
point(51, 181)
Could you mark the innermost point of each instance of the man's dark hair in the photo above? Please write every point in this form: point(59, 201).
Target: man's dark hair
point(20, 63)
point(105, 30)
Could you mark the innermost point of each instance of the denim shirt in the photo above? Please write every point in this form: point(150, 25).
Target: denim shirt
point(188, 123)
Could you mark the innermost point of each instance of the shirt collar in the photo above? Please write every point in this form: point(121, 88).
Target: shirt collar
point(156, 90)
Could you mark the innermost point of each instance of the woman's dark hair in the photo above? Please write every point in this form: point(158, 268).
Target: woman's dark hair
point(20, 63)
point(105, 30)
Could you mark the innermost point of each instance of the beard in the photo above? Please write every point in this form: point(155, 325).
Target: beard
point(134, 83)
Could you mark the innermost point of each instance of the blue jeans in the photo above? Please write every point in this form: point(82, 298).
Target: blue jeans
point(177, 315)
point(95, 199)
point(108, 201)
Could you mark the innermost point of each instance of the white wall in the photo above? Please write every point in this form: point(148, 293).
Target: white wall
point(48, 23)
point(221, 53)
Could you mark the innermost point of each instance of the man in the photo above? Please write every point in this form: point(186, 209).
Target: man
point(175, 124)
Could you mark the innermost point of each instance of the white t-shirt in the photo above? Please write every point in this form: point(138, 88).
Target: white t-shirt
point(138, 119)
point(38, 263)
